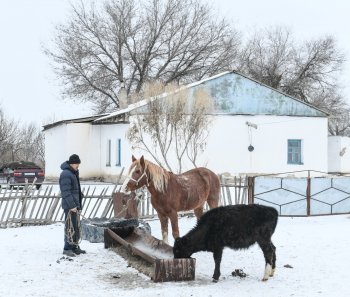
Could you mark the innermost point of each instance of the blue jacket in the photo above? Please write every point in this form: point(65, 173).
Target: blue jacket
point(70, 187)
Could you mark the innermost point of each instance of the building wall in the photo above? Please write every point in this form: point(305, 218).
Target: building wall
point(90, 143)
point(98, 150)
point(339, 151)
point(229, 138)
point(227, 149)
point(55, 150)
point(61, 142)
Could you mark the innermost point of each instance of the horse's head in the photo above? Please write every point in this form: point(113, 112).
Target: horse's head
point(137, 176)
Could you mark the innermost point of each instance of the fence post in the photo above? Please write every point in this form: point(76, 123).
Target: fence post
point(308, 194)
point(251, 180)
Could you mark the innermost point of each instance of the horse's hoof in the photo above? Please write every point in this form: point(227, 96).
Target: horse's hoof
point(215, 280)
point(264, 279)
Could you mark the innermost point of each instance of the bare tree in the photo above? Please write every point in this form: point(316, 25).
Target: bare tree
point(316, 66)
point(309, 71)
point(339, 124)
point(30, 144)
point(8, 131)
point(173, 123)
point(135, 41)
point(20, 143)
point(268, 55)
point(40, 148)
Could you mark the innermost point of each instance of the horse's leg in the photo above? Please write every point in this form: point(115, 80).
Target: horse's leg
point(174, 224)
point(213, 203)
point(198, 212)
point(164, 226)
point(213, 199)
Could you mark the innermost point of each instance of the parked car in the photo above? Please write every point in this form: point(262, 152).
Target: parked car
point(19, 173)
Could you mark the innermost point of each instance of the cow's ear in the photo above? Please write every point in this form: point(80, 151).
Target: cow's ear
point(142, 162)
point(133, 159)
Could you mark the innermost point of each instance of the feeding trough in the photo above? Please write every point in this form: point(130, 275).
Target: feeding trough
point(149, 255)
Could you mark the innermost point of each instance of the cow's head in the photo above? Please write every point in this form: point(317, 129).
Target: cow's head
point(181, 248)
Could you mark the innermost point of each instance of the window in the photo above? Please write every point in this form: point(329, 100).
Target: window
point(294, 151)
point(118, 153)
point(108, 155)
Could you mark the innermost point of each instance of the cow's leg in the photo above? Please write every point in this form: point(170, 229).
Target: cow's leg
point(217, 259)
point(273, 260)
point(268, 255)
point(174, 224)
point(164, 226)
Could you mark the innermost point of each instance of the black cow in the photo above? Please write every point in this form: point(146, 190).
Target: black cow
point(233, 226)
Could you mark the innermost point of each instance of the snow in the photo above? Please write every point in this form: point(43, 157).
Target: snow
point(317, 248)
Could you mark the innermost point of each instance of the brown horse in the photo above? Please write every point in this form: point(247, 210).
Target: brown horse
point(171, 193)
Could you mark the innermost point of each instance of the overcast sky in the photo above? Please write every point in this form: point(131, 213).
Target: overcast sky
point(30, 93)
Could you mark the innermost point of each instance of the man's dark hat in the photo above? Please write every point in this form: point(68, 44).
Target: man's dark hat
point(74, 159)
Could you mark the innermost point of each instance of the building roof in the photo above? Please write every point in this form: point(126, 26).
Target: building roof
point(237, 94)
point(233, 93)
point(88, 119)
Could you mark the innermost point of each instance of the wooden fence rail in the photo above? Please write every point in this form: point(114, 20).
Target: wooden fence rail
point(304, 196)
point(28, 206)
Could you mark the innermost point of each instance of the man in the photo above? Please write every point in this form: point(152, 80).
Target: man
point(71, 204)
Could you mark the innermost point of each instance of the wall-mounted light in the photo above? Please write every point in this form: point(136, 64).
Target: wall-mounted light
point(249, 124)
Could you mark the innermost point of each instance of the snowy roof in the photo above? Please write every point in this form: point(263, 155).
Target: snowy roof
point(144, 102)
point(233, 94)
point(88, 119)
point(237, 94)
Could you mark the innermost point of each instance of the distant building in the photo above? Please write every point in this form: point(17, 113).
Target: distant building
point(339, 154)
point(255, 129)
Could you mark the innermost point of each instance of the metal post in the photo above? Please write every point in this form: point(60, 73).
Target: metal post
point(308, 195)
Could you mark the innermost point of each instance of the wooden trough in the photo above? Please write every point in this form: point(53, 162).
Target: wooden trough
point(149, 255)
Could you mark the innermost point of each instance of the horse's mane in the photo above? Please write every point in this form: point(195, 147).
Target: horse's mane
point(158, 175)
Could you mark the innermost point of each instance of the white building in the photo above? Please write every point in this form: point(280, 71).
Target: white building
point(338, 152)
point(285, 134)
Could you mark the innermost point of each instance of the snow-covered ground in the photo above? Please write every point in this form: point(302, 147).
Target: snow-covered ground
point(317, 249)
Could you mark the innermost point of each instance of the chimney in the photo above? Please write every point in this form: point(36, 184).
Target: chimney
point(123, 99)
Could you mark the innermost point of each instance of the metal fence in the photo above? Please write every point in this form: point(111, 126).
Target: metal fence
point(303, 196)
point(25, 205)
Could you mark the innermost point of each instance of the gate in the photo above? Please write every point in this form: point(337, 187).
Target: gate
point(305, 196)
